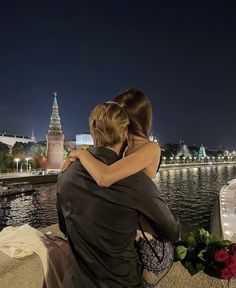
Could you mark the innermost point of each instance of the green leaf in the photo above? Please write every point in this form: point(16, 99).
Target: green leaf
point(211, 239)
point(180, 252)
point(191, 269)
point(223, 243)
point(203, 233)
point(199, 266)
point(191, 240)
point(201, 254)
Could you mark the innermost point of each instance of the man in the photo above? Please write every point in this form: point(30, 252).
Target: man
point(100, 223)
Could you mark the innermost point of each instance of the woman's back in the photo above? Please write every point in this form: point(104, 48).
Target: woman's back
point(152, 151)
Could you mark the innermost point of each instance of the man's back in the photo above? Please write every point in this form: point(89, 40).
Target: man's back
point(101, 226)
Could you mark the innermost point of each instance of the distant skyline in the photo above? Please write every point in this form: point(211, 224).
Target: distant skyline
point(181, 54)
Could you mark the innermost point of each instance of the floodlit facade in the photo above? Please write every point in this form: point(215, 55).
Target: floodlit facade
point(153, 139)
point(84, 139)
point(10, 140)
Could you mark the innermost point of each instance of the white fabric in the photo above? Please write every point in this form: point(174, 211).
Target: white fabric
point(22, 241)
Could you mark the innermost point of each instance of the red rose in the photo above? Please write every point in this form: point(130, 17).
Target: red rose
point(232, 248)
point(231, 260)
point(233, 257)
point(232, 268)
point(225, 273)
point(221, 255)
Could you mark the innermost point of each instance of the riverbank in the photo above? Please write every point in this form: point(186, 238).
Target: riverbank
point(24, 177)
point(43, 179)
point(193, 165)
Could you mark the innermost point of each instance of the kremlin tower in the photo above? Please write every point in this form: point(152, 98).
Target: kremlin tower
point(55, 139)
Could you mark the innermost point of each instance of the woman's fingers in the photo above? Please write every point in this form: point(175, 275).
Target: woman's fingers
point(73, 156)
point(67, 163)
point(74, 153)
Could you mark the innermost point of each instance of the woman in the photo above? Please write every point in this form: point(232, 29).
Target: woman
point(140, 154)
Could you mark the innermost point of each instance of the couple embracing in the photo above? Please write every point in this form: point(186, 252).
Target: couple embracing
point(106, 194)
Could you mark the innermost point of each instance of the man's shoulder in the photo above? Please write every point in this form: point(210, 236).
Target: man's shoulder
point(75, 166)
point(75, 169)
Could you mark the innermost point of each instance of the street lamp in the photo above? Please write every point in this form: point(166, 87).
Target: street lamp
point(17, 163)
point(164, 158)
point(27, 163)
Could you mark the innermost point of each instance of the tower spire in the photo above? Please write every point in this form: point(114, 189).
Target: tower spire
point(55, 138)
point(55, 120)
point(32, 136)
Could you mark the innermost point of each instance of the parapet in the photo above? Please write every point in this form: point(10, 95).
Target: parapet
point(28, 273)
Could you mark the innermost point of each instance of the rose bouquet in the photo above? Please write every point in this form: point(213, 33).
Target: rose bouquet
point(203, 252)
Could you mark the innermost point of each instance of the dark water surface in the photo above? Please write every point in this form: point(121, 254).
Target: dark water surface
point(190, 192)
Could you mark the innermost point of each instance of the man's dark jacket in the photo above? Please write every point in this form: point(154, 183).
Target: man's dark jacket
point(101, 224)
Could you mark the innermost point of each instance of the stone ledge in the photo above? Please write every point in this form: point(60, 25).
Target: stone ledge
point(25, 272)
point(178, 277)
point(28, 273)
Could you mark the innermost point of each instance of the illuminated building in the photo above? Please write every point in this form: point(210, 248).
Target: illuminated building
point(183, 150)
point(202, 152)
point(10, 139)
point(84, 140)
point(55, 139)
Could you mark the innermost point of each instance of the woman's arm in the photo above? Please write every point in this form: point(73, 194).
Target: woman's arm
point(106, 175)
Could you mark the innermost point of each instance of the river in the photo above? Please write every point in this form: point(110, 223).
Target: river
point(190, 193)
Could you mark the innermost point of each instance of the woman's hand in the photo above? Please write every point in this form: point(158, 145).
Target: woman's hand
point(72, 157)
point(67, 163)
point(75, 153)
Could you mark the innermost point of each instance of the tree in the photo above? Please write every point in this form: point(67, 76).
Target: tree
point(66, 152)
point(170, 150)
point(4, 157)
point(4, 148)
point(38, 150)
point(194, 150)
point(18, 150)
point(27, 149)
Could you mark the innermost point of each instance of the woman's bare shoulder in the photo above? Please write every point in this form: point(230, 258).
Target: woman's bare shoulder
point(153, 146)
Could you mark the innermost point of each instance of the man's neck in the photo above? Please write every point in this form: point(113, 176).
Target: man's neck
point(116, 148)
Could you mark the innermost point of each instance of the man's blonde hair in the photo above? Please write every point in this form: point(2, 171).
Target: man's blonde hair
point(108, 124)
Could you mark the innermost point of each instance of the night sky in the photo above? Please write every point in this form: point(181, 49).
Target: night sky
point(181, 54)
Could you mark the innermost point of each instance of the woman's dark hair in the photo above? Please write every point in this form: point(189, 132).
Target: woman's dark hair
point(139, 110)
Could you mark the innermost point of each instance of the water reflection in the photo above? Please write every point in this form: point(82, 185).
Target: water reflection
point(190, 192)
point(38, 209)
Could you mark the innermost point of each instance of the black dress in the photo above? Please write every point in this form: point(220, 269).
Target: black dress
point(156, 258)
point(156, 255)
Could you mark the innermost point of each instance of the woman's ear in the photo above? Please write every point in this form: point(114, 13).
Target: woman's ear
point(125, 135)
